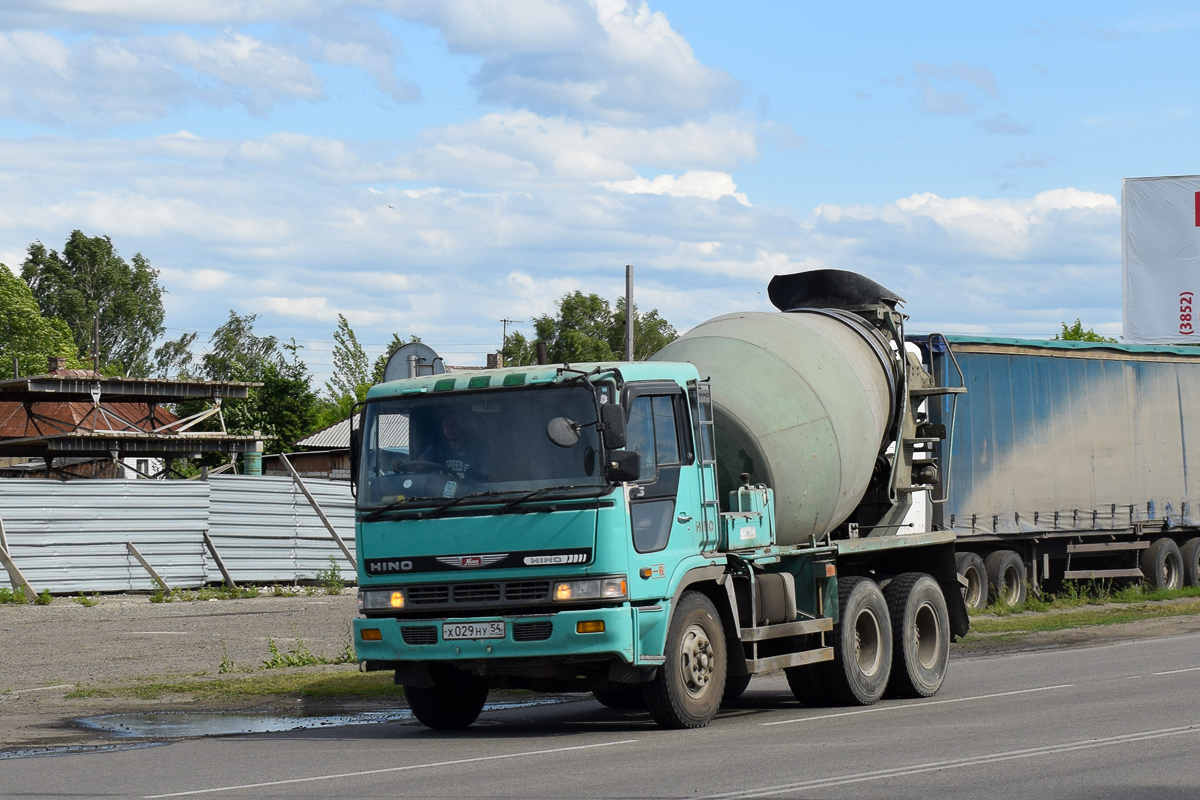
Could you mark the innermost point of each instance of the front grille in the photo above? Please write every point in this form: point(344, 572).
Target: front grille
point(532, 631)
point(427, 595)
point(527, 590)
point(477, 593)
point(419, 634)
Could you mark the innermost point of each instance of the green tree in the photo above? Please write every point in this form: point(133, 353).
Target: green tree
point(174, 359)
point(90, 278)
point(587, 328)
point(284, 407)
point(350, 380)
point(26, 334)
point(1076, 333)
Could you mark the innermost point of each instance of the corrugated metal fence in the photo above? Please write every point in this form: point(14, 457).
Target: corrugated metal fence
point(71, 537)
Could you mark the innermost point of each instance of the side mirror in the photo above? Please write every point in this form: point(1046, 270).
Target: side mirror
point(613, 418)
point(623, 466)
point(563, 432)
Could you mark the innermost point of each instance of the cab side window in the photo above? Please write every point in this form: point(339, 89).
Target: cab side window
point(652, 432)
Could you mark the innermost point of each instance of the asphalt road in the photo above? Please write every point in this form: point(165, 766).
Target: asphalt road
point(1117, 721)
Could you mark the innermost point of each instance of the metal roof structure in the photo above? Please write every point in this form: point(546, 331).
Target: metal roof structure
point(80, 413)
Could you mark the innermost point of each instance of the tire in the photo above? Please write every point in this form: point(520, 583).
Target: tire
point(735, 686)
point(621, 696)
point(975, 593)
point(1162, 565)
point(687, 691)
point(1190, 553)
point(1006, 578)
point(453, 702)
point(862, 645)
point(807, 685)
point(920, 635)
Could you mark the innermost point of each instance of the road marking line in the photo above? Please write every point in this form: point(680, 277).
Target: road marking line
point(1176, 671)
point(958, 763)
point(877, 709)
point(387, 769)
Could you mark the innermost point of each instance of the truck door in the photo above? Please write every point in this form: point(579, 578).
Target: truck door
point(660, 503)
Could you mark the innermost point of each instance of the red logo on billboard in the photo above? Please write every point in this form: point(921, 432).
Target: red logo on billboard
point(1198, 209)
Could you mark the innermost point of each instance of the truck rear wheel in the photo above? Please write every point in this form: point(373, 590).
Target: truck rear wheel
point(920, 635)
point(1191, 562)
point(687, 691)
point(975, 593)
point(862, 645)
point(454, 701)
point(1162, 564)
point(1006, 578)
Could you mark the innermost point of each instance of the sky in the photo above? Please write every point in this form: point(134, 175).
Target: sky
point(433, 167)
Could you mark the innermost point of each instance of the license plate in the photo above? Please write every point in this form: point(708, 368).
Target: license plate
point(473, 630)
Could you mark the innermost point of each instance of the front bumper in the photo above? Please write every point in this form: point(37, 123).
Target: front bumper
point(617, 640)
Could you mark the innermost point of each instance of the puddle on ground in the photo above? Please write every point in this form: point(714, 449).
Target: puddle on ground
point(189, 724)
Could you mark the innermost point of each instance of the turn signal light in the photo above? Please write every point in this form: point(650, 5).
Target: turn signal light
point(372, 635)
point(590, 626)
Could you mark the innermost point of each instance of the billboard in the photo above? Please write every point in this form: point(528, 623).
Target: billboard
point(1160, 259)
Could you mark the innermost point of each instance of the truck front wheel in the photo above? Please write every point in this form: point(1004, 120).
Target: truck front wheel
point(687, 691)
point(454, 701)
point(920, 635)
point(862, 645)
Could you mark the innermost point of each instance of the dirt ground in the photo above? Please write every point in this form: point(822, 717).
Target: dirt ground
point(48, 651)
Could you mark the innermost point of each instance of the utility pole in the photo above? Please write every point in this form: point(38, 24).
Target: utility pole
point(629, 312)
point(504, 336)
point(96, 344)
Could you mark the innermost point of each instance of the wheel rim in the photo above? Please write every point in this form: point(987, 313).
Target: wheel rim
point(697, 660)
point(1170, 574)
point(867, 642)
point(928, 636)
point(973, 589)
point(1012, 586)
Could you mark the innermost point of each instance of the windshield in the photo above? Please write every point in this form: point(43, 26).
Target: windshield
point(425, 448)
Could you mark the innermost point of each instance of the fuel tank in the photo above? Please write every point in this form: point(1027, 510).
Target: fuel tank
point(803, 401)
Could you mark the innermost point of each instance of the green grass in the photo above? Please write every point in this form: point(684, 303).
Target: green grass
point(326, 685)
point(1075, 594)
point(1027, 622)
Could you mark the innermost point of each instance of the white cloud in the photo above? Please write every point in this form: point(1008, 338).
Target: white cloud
point(693, 183)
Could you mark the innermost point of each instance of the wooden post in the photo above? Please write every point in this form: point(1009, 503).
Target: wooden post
point(14, 575)
point(316, 507)
point(134, 552)
point(229, 581)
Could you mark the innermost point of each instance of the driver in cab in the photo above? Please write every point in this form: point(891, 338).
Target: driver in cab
point(456, 451)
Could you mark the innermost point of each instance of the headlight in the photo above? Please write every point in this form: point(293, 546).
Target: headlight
point(613, 588)
point(376, 599)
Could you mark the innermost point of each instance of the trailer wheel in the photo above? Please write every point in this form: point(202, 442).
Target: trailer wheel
point(1006, 577)
point(687, 691)
point(1190, 552)
point(975, 593)
point(1162, 564)
point(920, 635)
point(621, 696)
point(862, 645)
point(454, 701)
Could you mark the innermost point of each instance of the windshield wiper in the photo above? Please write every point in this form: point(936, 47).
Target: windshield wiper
point(511, 504)
point(421, 502)
point(456, 500)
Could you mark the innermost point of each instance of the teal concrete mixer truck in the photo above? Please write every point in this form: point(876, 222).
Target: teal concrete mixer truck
point(751, 498)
